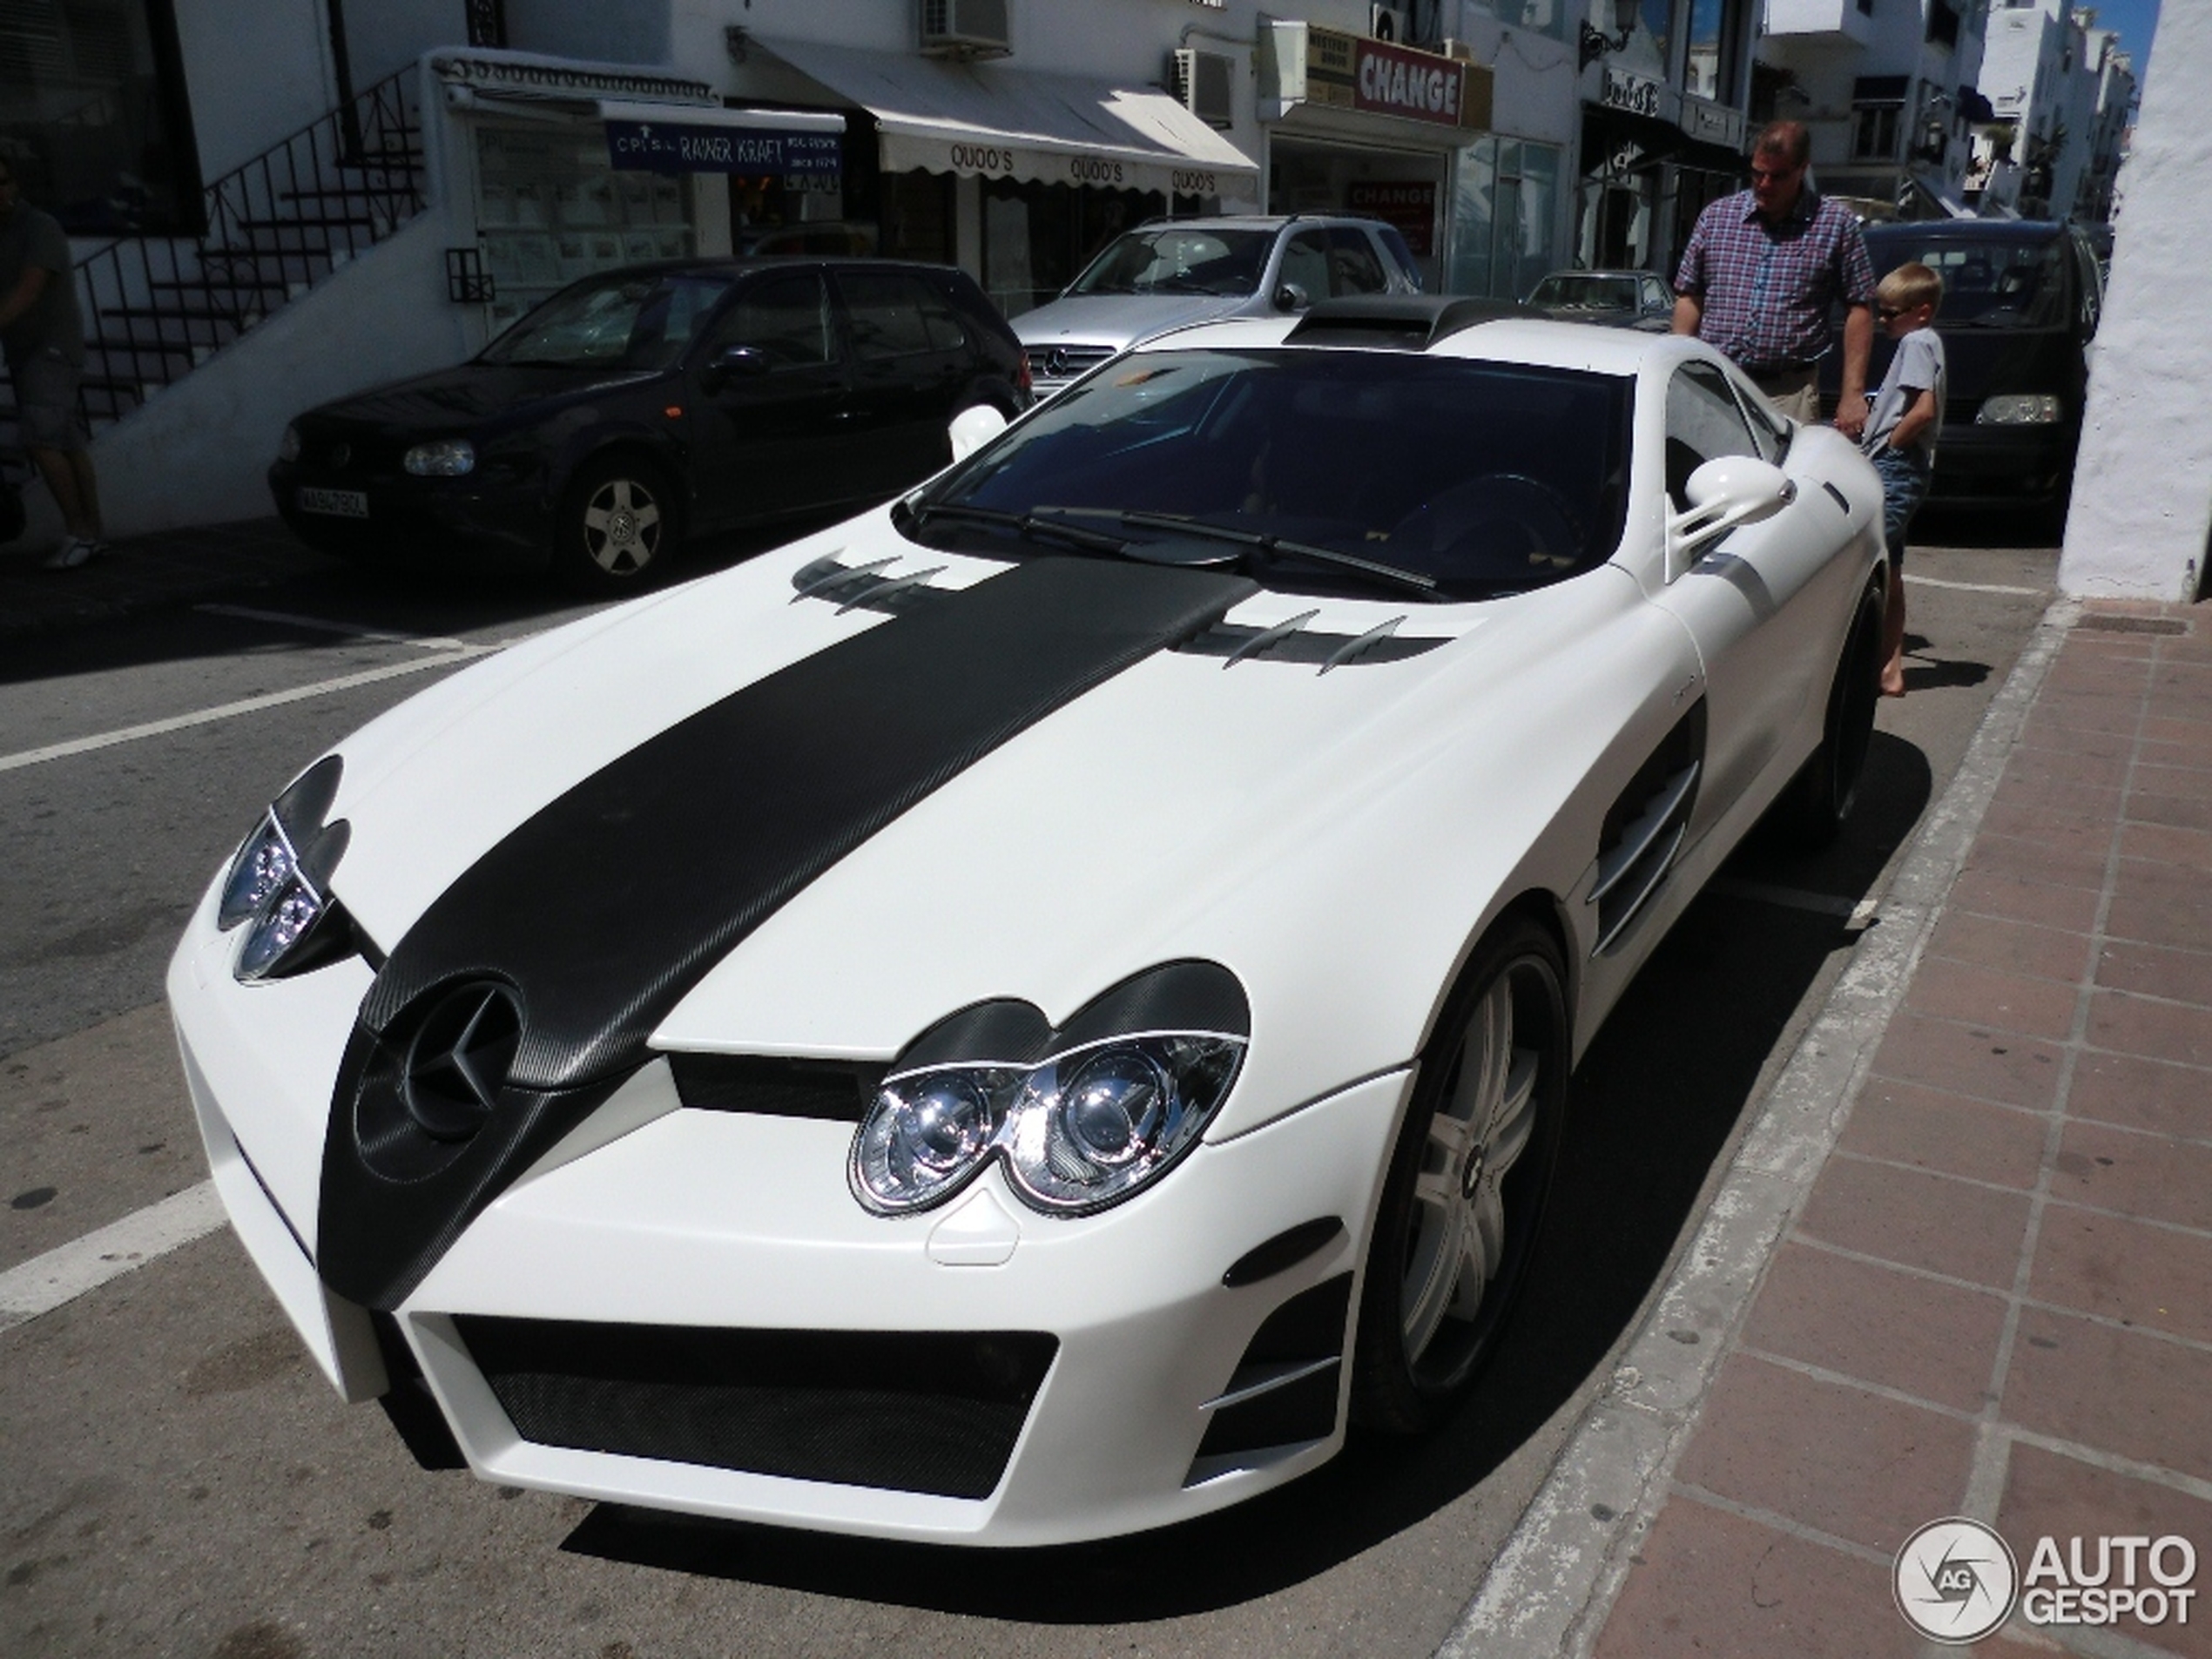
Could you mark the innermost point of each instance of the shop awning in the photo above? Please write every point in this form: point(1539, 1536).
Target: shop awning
point(1001, 123)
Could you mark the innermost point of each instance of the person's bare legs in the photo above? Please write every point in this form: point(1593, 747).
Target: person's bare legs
point(68, 474)
point(1893, 639)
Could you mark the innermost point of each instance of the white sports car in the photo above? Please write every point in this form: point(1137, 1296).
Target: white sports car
point(1019, 1017)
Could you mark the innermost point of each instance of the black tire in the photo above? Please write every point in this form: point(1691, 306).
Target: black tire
point(1461, 1207)
point(619, 524)
point(1820, 798)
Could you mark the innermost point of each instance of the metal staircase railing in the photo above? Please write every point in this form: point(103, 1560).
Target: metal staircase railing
point(154, 307)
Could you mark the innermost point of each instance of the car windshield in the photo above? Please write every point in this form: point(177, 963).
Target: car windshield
point(1987, 284)
point(1169, 260)
point(634, 320)
point(1466, 479)
point(1587, 293)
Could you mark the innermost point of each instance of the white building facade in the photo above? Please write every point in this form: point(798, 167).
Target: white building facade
point(2060, 92)
point(1887, 91)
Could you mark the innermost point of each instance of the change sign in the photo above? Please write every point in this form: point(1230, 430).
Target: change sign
point(681, 146)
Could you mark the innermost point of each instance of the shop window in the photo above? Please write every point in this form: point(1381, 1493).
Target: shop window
point(917, 211)
point(93, 115)
point(1038, 237)
point(1873, 132)
point(1544, 16)
point(1943, 23)
point(549, 210)
point(1716, 39)
point(1504, 203)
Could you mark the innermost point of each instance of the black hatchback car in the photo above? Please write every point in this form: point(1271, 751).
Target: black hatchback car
point(646, 404)
point(2021, 303)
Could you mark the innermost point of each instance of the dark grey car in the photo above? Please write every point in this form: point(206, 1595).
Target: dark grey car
point(1616, 299)
point(1164, 275)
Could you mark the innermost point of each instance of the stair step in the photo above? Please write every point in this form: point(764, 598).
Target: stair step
point(305, 221)
point(183, 313)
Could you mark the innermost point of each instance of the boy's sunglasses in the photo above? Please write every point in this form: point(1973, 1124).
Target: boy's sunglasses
point(1887, 312)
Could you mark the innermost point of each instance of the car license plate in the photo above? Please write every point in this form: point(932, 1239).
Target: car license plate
point(339, 503)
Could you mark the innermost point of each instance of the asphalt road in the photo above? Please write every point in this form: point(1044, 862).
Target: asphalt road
point(179, 1480)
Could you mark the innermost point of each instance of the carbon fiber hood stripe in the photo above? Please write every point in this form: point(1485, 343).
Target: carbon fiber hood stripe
point(607, 906)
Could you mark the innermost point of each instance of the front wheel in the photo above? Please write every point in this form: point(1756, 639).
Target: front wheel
point(1465, 1193)
point(1821, 797)
point(617, 525)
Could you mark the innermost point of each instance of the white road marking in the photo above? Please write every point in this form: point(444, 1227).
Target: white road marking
point(1976, 587)
point(1859, 912)
point(244, 705)
point(324, 625)
point(65, 1273)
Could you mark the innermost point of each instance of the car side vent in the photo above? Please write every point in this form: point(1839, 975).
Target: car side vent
point(1204, 85)
point(1400, 321)
point(1282, 1394)
point(1293, 642)
point(864, 587)
point(1644, 827)
point(774, 1086)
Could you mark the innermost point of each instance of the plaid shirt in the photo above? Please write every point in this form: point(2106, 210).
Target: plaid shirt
point(1766, 291)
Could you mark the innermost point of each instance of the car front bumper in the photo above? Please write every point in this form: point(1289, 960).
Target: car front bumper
point(2003, 466)
point(686, 1309)
point(491, 520)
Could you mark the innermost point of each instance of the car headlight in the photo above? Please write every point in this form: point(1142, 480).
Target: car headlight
point(1081, 1121)
point(278, 886)
point(440, 458)
point(288, 445)
point(2018, 409)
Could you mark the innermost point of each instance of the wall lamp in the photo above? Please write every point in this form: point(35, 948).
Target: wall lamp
point(1596, 43)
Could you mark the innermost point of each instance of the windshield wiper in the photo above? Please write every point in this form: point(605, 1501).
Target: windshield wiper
point(1026, 524)
point(1276, 544)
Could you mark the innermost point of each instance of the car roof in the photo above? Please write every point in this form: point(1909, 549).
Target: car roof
point(1487, 330)
point(1254, 221)
point(1966, 230)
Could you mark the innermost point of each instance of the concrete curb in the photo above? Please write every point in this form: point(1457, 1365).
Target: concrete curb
point(1549, 1589)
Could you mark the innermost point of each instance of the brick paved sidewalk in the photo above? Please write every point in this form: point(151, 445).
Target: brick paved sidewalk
point(1997, 1301)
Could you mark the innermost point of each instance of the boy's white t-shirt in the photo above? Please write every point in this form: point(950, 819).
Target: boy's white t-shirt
point(1916, 366)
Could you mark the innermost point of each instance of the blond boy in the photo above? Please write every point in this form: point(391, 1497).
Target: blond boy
point(1903, 417)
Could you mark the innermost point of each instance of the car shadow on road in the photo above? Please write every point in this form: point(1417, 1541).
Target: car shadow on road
point(1659, 1099)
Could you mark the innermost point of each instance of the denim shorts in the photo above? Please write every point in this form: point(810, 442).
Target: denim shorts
point(46, 402)
point(1905, 486)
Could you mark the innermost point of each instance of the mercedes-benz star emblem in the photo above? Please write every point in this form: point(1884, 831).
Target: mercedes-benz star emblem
point(1056, 362)
point(459, 1060)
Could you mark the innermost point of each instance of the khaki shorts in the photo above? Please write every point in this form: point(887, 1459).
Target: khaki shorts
point(46, 402)
point(1796, 392)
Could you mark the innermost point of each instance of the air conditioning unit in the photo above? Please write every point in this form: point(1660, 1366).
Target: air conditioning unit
point(964, 28)
point(1388, 23)
point(1203, 83)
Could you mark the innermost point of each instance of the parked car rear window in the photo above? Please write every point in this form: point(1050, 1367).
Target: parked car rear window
point(1989, 284)
point(1167, 260)
point(637, 320)
point(1490, 477)
point(1592, 292)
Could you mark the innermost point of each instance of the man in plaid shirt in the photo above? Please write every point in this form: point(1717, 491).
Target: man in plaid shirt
point(1760, 272)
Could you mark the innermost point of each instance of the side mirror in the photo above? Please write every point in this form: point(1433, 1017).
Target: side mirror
point(1724, 493)
point(735, 362)
point(1291, 297)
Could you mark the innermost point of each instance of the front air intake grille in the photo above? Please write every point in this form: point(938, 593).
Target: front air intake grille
point(935, 1413)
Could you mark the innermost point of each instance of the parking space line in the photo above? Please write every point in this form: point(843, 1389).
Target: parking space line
point(244, 705)
point(1975, 587)
point(65, 1273)
point(326, 625)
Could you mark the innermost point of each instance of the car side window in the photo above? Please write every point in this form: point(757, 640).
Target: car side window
point(1305, 261)
point(1702, 422)
point(1353, 267)
point(1655, 297)
point(787, 318)
point(890, 315)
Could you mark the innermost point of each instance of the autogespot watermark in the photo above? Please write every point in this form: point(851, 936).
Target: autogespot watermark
point(1956, 1580)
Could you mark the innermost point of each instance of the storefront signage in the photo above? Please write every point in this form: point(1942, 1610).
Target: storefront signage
point(1034, 163)
point(1711, 123)
point(1637, 94)
point(681, 146)
point(1353, 72)
point(1411, 206)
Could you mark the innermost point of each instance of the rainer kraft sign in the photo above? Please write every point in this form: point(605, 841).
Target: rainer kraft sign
point(679, 147)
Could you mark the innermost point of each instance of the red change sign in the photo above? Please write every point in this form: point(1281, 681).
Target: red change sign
point(1410, 207)
point(1421, 87)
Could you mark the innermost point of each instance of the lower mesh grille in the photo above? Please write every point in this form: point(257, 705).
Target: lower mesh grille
point(930, 1413)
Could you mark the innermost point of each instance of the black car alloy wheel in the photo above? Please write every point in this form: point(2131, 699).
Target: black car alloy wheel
point(1465, 1194)
point(617, 524)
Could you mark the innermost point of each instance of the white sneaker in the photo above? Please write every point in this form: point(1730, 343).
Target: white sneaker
point(73, 551)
